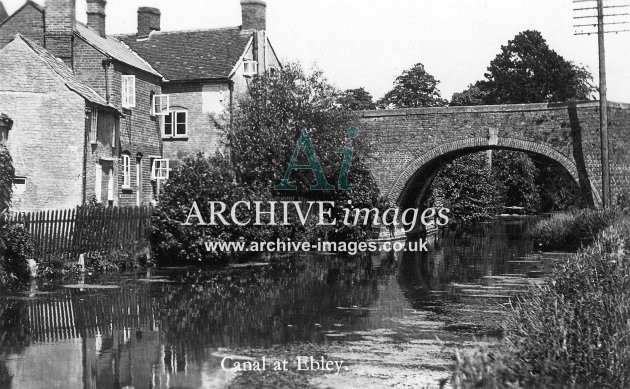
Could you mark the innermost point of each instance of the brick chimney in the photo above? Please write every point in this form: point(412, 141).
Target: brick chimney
point(96, 16)
point(254, 14)
point(3, 13)
point(59, 28)
point(148, 21)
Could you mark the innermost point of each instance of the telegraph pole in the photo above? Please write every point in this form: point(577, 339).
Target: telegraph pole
point(603, 98)
point(603, 105)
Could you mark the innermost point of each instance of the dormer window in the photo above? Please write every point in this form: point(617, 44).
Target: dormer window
point(250, 68)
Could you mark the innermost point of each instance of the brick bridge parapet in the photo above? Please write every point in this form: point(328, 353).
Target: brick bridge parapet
point(409, 144)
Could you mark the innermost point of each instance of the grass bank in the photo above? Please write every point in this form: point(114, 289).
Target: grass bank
point(574, 330)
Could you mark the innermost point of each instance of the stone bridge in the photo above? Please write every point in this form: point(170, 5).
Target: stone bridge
point(410, 144)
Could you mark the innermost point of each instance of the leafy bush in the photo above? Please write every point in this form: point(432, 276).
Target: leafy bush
point(197, 179)
point(572, 230)
point(16, 245)
point(574, 331)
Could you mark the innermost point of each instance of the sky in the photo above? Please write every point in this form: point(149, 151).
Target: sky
point(366, 43)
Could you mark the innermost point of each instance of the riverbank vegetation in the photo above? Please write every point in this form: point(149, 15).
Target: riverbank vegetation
point(572, 230)
point(573, 331)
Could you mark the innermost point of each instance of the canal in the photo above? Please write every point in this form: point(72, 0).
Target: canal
point(394, 319)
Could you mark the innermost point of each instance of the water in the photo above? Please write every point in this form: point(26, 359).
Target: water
point(170, 328)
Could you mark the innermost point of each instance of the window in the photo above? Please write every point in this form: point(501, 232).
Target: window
point(160, 105)
point(19, 185)
point(128, 91)
point(126, 166)
point(175, 124)
point(273, 71)
point(160, 169)
point(93, 125)
point(250, 67)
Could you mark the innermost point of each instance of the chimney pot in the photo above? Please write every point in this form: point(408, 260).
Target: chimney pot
point(96, 16)
point(254, 14)
point(148, 21)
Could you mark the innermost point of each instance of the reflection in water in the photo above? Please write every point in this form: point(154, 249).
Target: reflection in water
point(171, 327)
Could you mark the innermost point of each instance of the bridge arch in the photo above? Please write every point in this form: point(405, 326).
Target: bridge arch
point(418, 175)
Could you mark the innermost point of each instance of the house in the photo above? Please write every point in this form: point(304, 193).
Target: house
point(204, 70)
point(122, 156)
point(169, 89)
point(52, 131)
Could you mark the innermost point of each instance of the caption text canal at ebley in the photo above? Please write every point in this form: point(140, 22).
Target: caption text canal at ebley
point(392, 318)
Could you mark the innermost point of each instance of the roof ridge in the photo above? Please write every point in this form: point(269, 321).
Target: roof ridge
point(111, 39)
point(182, 31)
point(139, 57)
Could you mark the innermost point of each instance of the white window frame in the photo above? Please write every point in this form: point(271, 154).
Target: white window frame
point(173, 113)
point(98, 183)
point(160, 106)
point(250, 67)
point(162, 172)
point(93, 126)
point(126, 168)
point(128, 93)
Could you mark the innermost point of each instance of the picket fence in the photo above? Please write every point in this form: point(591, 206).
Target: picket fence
point(64, 234)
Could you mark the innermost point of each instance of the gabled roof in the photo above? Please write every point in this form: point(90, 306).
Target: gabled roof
point(3, 12)
point(28, 2)
point(66, 75)
point(192, 55)
point(114, 49)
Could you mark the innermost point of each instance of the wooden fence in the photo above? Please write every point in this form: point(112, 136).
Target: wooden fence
point(67, 233)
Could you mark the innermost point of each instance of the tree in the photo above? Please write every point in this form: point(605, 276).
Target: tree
point(474, 95)
point(270, 119)
point(516, 173)
point(357, 100)
point(269, 122)
point(413, 88)
point(468, 188)
point(527, 70)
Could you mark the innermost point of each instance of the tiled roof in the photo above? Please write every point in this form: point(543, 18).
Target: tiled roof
point(192, 55)
point(65, 73)
point(114, 48)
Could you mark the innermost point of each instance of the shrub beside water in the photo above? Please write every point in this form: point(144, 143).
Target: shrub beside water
point(573, 331)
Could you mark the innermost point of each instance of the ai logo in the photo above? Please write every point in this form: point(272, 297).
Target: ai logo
point(304, 142)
